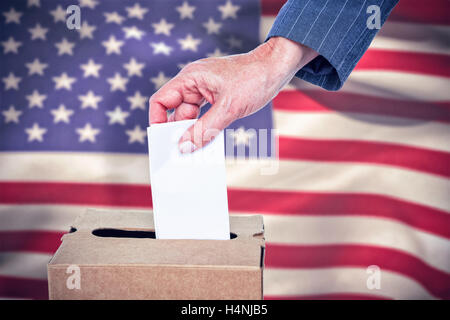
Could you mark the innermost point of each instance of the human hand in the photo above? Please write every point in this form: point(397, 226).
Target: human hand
point(235, 86)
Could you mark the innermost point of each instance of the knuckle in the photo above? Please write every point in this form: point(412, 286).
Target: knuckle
point(190, 67)
point(199, 65)
point(152, 100)
point(192, 113)
point(188, 113)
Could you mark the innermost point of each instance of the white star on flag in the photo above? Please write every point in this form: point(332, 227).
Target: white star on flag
point(117, 116)
point(11, 82)
point(33, 3)
point(113, 45)
point(186, 11)
point(162, 27)
point(136, 11)
point(65, 47)
point(118, 82)
point(161, 47)
point(138, 101)
point(234, 42)
point(134, 68)
point(64, 81)
point(12, 16)
point(91, 4)
point(11, 45)
point(61, 114)
point(189, 43)
point(86, 30)
point(38, 32)
point(35, 133)
point(160, 80)
point(12, 115)
point(36, 67)
point(113, 17)
point(91, 69)
point(59, 14)
point(229, 10)
point(133, 32)
point(36, 99)
point(212, 27)
point(136, 135)
point(89, 100)
point(87, 133)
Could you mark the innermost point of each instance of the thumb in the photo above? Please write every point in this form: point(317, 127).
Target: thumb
point(205, 129)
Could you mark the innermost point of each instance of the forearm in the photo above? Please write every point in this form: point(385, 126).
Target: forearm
point(339, 30)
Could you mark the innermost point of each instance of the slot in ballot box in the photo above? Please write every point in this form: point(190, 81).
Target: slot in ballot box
point(113, 254)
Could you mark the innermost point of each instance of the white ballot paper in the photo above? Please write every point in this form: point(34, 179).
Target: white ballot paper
point(189, 190)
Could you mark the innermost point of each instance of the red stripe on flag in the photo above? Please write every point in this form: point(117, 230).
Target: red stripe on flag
point(13, 287)
point(411, 62)
point(326, 256)
point(321, 101)
point(260, 201)
point(30, 241)
point(419, 11)
point(271, 7)
point(119, 195)
point(430, 161)
point(416, 11)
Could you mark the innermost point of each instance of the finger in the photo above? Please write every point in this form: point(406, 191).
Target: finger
point(186, 111)
point(167, 97)
point(206, 128)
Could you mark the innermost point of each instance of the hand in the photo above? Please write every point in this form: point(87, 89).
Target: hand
point(236, 86)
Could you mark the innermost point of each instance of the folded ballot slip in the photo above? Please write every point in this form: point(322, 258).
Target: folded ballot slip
point(188, 190)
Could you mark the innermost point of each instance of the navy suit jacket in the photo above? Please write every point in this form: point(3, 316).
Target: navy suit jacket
point(336, 29)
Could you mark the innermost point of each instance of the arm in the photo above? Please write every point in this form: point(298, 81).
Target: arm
point(319, 41)
point(339, 30)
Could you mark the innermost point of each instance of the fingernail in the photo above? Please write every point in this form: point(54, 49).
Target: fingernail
point(187, 147)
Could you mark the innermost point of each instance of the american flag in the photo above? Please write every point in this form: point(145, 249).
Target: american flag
point(363, 175)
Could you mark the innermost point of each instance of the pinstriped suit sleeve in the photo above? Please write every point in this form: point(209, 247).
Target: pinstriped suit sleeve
point(336, 29)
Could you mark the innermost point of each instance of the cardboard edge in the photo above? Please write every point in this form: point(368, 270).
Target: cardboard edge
point(143, 265)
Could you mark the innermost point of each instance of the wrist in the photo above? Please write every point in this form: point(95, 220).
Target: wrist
point(288, 56)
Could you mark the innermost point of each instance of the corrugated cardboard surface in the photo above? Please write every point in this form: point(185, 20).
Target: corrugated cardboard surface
point(146, 268)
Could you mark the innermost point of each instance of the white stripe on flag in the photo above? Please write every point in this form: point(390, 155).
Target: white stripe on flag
point(389, 84)
point(307, 282)
point(363, 127)
point(24, 265)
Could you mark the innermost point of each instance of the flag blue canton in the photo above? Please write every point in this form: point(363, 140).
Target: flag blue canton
point(88, 89)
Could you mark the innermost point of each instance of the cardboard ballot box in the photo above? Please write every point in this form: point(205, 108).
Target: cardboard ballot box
point(114, 255)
